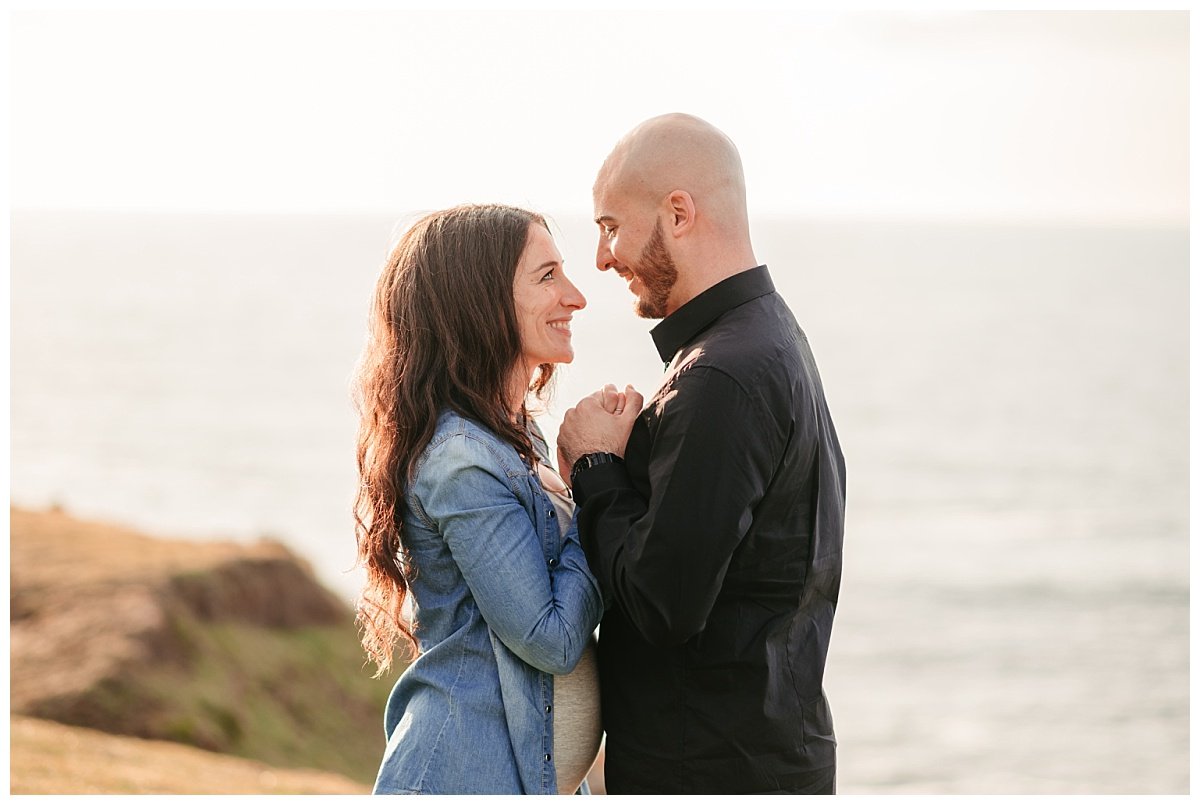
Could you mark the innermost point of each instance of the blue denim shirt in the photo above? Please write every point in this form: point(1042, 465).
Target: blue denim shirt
point(503, 601)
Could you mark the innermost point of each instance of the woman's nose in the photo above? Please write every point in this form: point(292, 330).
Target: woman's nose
point(574, 297)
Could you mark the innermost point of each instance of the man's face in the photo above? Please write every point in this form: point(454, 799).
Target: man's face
point(639, 257)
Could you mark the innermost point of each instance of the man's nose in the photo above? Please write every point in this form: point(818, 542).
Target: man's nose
point(604, 258)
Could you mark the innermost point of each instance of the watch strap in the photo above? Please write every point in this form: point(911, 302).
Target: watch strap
point(588, 460)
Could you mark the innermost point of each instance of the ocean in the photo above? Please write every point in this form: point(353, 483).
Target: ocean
point(1012, 400)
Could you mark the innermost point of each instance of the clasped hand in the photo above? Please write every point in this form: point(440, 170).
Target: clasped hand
point(599, 423)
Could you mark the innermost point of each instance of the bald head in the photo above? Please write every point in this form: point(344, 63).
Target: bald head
point(678, 152)
point(670, 201)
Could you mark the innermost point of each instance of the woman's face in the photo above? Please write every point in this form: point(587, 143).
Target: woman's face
point(545, 300)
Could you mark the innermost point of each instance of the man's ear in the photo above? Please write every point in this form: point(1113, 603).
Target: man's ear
point(683, 211)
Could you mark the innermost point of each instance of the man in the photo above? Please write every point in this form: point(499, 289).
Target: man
point(713, 517)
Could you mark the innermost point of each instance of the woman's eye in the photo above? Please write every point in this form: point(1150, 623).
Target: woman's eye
point(549, 275)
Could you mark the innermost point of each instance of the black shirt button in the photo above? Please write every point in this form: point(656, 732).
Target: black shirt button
point(552, 562)
point(551, 513)
point(547, 708)
point(547, 758)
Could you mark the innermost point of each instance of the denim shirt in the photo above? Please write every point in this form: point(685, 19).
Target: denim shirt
point(503, 601)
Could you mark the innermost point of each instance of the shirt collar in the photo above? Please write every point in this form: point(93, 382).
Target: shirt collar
point(677, 329)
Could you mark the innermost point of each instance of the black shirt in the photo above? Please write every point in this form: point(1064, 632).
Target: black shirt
point(718, 547)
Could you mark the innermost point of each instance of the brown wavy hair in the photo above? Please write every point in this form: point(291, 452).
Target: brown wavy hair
point(443, 334)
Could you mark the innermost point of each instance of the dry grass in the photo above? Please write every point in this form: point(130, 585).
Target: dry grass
point(50, 758)
point(53, 541)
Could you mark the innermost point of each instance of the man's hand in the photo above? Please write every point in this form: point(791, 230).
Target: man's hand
point(599, 423)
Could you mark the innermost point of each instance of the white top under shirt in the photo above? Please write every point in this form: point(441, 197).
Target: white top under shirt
point(577, 729)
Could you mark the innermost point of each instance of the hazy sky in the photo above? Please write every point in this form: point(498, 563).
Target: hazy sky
point(1025, 114)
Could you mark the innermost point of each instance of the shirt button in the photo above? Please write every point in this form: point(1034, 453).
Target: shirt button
point(550, 513)
point(547, 758)
point(552, 562)
point(547, 708)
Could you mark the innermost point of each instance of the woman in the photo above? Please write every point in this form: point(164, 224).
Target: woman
point(471, 313)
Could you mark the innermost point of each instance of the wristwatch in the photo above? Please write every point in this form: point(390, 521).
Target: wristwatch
point(593, 460)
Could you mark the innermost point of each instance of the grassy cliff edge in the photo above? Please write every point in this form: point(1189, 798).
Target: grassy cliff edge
point(233, 649)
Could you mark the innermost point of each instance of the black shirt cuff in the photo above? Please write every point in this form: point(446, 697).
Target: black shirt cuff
point(600, 478)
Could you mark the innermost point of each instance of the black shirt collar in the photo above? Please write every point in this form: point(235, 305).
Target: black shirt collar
point(677, 329)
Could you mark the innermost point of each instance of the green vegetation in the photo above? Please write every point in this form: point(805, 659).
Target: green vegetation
point(228, 648)
point(291, 698)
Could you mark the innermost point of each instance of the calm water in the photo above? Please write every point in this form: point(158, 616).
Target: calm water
point(1013, 405)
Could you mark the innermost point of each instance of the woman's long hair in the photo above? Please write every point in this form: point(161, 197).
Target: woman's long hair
point(443, 334)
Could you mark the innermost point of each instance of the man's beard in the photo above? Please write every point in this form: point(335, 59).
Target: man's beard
point(657, 273)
